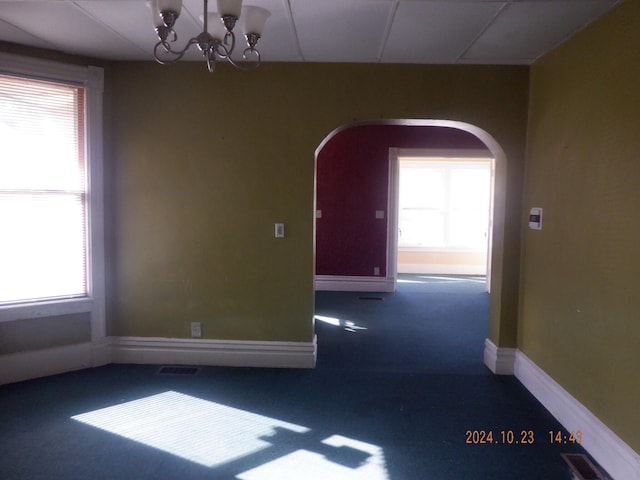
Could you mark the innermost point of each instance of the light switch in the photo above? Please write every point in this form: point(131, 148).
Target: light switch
point(379, 213)
point(318, 213)
point(279, 230)
point(535, 218)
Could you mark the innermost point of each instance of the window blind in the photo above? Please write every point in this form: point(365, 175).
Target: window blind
point(43, 194)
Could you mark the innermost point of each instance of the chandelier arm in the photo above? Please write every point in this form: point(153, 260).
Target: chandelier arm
point(254, 52)
point(251, 66)
point(211, 60)
point(167, 48)
point(222, 51)
point(233, 41)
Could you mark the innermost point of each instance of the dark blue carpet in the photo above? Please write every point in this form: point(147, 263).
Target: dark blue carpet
point(399, 382)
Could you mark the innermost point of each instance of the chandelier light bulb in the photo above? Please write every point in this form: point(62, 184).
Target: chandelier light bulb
point(215, 27)
point(253, 19)
point(170, 6)
point(230, 7)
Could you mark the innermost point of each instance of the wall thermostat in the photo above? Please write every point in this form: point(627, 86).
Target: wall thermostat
point(535, 218)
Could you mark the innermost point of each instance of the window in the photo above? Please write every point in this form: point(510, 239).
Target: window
point(444, 203)
point(43, 193)
point(51, 218)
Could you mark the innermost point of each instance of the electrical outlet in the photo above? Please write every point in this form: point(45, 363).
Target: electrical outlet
point(376, 271)
point(196, 329)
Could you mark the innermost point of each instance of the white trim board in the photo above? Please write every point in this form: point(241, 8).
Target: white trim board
point(20, 366)
point(230, 353)
point(339, 283)
point(609, 450)
point(442, 269)
point(499, 360)
point(16, 367)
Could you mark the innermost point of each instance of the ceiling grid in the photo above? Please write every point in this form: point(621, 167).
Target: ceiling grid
point(360, 31)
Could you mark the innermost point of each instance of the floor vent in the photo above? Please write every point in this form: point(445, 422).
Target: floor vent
point(183, 371)
point(370, 298)
point(582, 467)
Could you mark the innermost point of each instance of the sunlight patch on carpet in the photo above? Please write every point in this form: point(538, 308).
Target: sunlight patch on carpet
point(330, 320)
point(212, 435)
point(317, 467)
point(197, 430)
point(348, 325)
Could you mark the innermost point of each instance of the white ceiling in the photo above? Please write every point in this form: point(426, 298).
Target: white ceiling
point(387, 31)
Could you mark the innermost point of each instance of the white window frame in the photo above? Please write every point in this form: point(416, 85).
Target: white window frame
point(92, 79)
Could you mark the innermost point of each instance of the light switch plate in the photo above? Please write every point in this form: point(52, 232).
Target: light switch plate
point(279, 230)
point(535, 218)
point(196, 329)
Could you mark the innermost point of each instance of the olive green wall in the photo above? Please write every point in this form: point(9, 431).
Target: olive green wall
point(580, 302)
point(203, 165)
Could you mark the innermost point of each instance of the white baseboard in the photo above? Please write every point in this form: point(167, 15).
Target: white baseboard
point(101, 352)
point(355, 284)
point(615, 456)
point(234, 353)
point(17, 367)
point(500, 361)
point(441, 269)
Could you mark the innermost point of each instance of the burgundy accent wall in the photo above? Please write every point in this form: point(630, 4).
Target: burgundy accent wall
point(352, 182)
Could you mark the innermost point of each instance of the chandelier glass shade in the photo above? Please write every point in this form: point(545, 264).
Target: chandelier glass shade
point(217, 41)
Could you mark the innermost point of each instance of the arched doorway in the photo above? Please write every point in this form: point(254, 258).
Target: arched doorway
point(362, 254)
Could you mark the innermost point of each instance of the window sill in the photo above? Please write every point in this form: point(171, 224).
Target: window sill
point(415, 248)
point(47, 308)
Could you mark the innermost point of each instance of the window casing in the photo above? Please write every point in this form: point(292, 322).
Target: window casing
point(51, 190)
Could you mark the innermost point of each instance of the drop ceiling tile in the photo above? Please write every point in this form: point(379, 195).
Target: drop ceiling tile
point(64, 27)
point(525, 30)
point(415, 31)
point(10, 33)
point(340, 30)
point(130, 20)
point(279, 42)
point(436, 32)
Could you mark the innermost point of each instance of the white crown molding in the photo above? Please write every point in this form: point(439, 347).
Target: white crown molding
point(340, 283)
point(609, 450)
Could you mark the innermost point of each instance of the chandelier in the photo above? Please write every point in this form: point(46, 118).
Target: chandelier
point(217, 40)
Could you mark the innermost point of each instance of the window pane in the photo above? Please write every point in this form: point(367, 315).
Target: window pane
point(51, 230)
point(42, 190)
point(422, 187)
point(470, 188)
point(468, 228)
point(423, 228)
